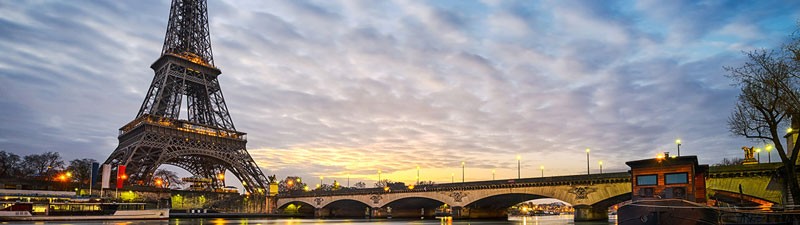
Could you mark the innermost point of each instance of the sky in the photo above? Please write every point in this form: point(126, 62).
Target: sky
point(346, 88)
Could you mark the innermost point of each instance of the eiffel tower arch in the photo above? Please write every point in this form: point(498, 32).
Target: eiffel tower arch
point(206, 143)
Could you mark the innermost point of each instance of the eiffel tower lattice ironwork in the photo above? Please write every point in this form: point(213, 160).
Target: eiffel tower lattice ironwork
point(206, 143)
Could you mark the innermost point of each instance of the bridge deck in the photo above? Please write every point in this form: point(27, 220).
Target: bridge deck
point(508, 183)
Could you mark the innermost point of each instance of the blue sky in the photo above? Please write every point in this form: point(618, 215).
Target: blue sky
point(330, 88)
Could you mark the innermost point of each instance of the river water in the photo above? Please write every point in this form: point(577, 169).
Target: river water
point(534, 220)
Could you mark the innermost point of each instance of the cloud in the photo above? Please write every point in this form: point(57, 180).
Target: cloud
point(334, 88)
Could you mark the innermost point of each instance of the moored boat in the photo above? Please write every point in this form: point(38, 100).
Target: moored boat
point(80, 211)
point(35, 205)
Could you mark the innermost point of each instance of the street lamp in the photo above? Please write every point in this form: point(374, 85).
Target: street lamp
point(493, 174)
point(601, 167)
point(379, 175)
point(348, 179)
point(678, 142)
point(519, 165)
point(452, 177)
point(462, 171)
point(542, 168)
point(758, 151)
point(587, 161)
point(320, 180)
point(769, 152)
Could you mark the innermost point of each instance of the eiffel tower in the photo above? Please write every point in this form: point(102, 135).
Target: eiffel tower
point(206, 143)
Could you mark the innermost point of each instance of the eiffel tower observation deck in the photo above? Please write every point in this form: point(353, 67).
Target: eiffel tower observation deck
point(205, 142)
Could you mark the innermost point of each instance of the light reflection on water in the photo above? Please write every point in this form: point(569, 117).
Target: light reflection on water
point(534, 220)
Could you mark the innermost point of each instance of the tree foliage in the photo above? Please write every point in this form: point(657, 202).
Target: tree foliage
point(290, 184)
point(769, 103)
point(9, 164)
point(81, 170)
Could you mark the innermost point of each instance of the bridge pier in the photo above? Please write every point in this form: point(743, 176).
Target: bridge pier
point(590, 213)
point(320, 213)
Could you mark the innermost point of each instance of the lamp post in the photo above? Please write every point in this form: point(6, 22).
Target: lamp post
point(452, 177)
point(379, 175)
point(519, 166)
point(769, 153)
point(601, 167)
point(462, 171)
point(542, 168)
point(758, 152)
point(320, 180)
point(348, 179)
point(587, 162)
point(678, 142)
point(493, 174)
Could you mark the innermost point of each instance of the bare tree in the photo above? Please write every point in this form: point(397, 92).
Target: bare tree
point(730, 162)
point(44, 166)
point(168, 178)
point(9, 164)
point(768, 104)
point(360, 184)
point(422, 182)
point(383, 183)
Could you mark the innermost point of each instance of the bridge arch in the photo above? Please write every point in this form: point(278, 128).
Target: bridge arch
point(502, 200)
point(414, 206)
point(297, 208)
point(340, 201)
point(296, 202)
point(344, 208)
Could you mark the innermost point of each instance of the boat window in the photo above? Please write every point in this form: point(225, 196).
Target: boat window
point(647, 179)
point(676, 178)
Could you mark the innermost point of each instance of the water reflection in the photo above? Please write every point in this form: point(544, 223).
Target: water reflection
point(531, 220)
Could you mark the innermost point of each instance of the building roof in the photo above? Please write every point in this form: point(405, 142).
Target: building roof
point(666, 161)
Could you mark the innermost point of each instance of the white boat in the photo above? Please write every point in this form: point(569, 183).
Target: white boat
point(29, 211)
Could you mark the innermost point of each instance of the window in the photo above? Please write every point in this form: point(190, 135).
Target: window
point(647, 179)
point(676, 178)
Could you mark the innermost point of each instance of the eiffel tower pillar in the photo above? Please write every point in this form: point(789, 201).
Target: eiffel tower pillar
point(205, 142)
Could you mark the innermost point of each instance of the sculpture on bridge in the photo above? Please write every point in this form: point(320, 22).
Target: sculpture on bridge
point(748, 155)
point(582, 192)
point(376, 199)
point(457, 195)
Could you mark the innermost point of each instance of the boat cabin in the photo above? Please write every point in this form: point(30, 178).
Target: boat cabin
point(666, 177)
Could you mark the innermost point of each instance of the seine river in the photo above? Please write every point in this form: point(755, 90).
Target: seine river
point(536, 220)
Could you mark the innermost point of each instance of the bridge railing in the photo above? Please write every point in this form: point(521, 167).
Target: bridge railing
point(509, 183)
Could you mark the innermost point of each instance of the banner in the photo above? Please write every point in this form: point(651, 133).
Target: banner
point(106, 176)
point(121, 175)
point(93, 174)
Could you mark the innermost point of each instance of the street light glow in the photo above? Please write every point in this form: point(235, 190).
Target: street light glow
point(587, 150)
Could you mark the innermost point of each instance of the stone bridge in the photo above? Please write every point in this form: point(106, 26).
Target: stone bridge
point(590, 195)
